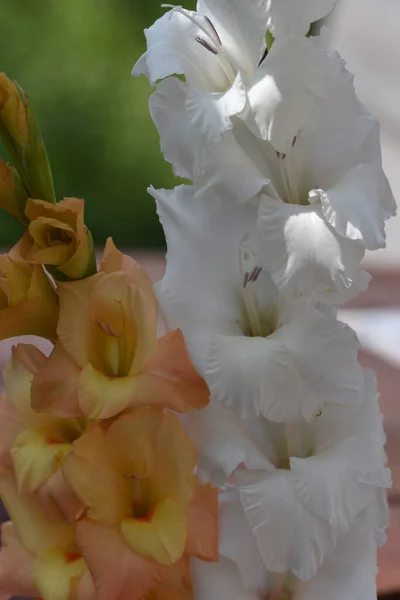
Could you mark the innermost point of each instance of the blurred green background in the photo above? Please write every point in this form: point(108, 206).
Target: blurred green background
point(74, 58)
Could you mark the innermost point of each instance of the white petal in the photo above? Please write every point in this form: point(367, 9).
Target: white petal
point(181, 142)
point(304, 253)
point(338, 484)
point(172, 48)
point(237, 542)
point(224, 443)
point(287, 16)
point(309, 361)
point(348, 573)
point(241, 27)
point(231, 171)
point(218, 581)
point(211, 113)
point(376, 515)
point(286, 90)
point(200, 289)
point(352, 206)
point(289, 536)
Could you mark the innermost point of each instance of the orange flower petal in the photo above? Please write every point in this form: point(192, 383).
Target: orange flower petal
point(74, 325)
point(131, 439)
point(90, 472)
point(16, 564)
point(176, 457)
point(25, 361)
point(161, 535)
point(35, 531)
point(169, 379)
point(57, 498)
point(117, 572)
point(113, 260)
point(55, 386)
point(202, 515)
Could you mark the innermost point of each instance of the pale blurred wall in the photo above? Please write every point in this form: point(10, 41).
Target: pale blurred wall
point(367, 34)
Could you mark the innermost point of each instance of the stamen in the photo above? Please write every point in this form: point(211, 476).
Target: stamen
point(196, 22)
point(108, 330)
point(213, 28)
point(206, 45)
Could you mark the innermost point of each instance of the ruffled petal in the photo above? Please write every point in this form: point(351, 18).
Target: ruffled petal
point(353, 208)
point(234, 526)
point(338, 489)
point(347, 573)
point(169, 379)
point(180, 139)
point(289, 536)
point(304, 254)
point(308, 362)
point(193, 295)
point(287, 16)
point(286, 90)
point(224, 443)
point(211, 113)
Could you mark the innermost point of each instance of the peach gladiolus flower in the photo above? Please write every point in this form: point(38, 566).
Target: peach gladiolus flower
point(107, 357)
point(144, 505)
point(28, 301)
point(34, 444)
point(57, 236)
point(39, 557)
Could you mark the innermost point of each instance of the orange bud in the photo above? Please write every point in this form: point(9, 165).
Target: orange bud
point(57, 236)
point(13, 111)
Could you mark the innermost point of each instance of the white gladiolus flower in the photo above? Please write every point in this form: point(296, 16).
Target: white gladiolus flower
point(322, 203)
point(288, 194)
point(302, 486)
point(259, 353)
point(220, 50)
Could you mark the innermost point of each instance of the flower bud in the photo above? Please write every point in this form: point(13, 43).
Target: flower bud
point(28, 301)
point(21, 135)
point(13, 111)
point(57, 236)
point(13, 195)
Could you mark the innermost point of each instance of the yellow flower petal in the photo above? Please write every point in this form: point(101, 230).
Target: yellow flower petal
point(101, 396)
point(161, 535)
point(56, 573)
point(38, 453)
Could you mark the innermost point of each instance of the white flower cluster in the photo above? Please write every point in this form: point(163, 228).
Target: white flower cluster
point(288, 192)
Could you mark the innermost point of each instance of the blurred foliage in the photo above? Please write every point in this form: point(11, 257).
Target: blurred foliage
point(74, 59)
